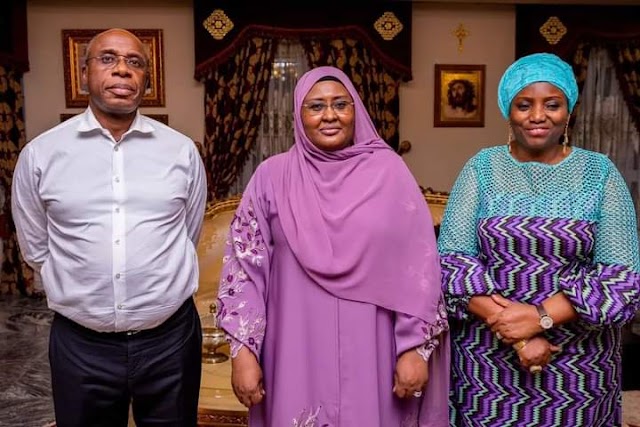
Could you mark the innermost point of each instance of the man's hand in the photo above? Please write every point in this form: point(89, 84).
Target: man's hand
point(246, 378)
point(411, 375)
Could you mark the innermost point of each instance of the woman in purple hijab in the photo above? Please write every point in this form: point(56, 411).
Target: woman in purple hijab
point(330, 290)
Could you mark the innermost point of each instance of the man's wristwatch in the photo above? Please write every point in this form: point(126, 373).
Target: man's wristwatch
point(546, 322)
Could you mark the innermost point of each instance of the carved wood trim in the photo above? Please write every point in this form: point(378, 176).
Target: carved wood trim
point(213, 418)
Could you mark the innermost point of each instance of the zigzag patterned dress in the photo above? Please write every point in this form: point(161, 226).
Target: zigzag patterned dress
point(528, 231)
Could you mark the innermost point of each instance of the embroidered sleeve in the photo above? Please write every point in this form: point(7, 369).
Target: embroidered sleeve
point(243, 282)
point(432, 332)
point(607, 291)
point(234, 345)
point(425, 337)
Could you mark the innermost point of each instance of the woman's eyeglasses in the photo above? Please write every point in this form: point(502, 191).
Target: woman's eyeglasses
point(341, 107)
point(110, 60)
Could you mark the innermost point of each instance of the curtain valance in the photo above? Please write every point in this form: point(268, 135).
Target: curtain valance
point(560, 29)
point(222, 27)
point(571, 32)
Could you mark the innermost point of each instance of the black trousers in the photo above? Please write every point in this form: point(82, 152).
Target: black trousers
point(95, 376)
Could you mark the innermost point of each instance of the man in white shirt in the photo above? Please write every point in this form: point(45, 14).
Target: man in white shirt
point(108, 207)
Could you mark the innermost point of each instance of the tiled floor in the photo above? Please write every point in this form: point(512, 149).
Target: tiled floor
point(25, 393)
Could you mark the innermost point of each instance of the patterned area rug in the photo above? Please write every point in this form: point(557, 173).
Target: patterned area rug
point(25, 387)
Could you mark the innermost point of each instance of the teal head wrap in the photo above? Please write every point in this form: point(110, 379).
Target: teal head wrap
point(539, 67)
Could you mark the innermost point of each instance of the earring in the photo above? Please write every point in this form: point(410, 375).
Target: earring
point(509, 137)
point(565, 140)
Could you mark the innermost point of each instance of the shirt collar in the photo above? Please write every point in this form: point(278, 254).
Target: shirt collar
point(89, 123)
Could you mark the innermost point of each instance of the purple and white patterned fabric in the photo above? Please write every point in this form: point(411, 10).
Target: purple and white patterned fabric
point(579, 237)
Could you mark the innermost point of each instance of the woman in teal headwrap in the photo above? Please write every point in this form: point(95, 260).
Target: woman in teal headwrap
point(539, 251)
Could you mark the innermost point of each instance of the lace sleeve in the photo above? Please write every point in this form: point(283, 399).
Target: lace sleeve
point(463, 273)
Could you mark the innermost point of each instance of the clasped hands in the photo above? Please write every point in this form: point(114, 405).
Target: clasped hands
point(516, 322)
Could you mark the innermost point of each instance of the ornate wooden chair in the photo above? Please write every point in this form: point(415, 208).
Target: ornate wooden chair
point(218, 406)
point(437, 201)
point(215, 228)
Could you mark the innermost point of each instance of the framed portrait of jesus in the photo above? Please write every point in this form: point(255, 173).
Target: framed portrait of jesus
point(459, 95)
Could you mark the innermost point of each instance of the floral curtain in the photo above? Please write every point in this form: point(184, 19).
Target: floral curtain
point(15, 275)
point(240, 90)
point(626, 57)
point(235, 95)
point(275, 132)
point(580, 66)
point(604, 122)
point(377, 87)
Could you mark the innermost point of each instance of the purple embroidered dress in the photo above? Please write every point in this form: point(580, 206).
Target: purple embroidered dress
point(330, 273)
point(527, 231)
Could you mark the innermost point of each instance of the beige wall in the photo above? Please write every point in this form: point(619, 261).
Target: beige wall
point(44, 84)
point(437, 154)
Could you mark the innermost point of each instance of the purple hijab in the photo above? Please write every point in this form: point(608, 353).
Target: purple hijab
point(355, 218)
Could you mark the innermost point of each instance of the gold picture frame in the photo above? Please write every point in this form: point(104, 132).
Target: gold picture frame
point(66, 116)
point(162, 118)
point(74, 44)
point(459, 95)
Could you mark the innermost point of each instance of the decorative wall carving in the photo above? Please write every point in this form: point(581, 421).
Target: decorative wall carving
point(553, 30)
point(218, 24)
point(388, 25)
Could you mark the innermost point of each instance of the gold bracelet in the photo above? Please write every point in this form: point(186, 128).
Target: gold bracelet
point(520, 345)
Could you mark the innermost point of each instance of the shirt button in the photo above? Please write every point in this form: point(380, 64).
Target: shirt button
point(117, 210)
point(117, 275)
point(117, 147)
point(120, 306)
point(116, 179)
point(117, 242)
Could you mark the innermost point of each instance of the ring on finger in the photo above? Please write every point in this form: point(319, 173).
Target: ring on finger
point(417, 393)
point(535, 369)
point(499, 336)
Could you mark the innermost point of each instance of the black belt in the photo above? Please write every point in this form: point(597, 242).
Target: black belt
point(179, 312)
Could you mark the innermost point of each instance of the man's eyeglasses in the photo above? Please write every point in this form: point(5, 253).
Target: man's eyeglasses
point(110, 60)
point(340, 107)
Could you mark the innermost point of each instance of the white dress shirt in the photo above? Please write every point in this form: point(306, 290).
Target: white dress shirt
point(112, 227)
